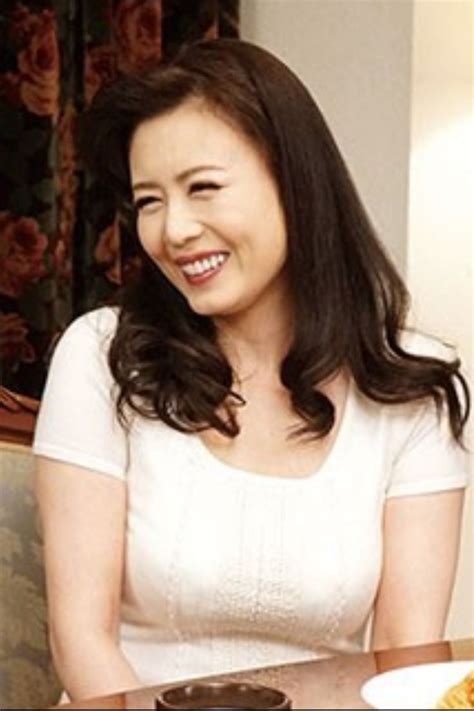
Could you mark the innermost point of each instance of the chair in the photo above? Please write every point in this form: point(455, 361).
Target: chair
point(17, 416)
point(27, 676)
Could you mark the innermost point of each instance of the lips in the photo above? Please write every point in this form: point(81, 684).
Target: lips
point(200, 267)
point(198, 256)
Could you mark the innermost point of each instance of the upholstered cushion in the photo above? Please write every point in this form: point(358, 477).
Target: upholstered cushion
point(27, 677)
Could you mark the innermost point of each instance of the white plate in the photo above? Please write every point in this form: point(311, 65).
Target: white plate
point(417, 687)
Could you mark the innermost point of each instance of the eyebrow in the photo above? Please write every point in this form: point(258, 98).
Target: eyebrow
point(149, 184)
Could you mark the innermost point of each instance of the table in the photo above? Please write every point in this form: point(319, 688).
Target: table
point(325, 684)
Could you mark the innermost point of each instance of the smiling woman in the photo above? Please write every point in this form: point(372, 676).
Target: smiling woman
point(269, 457)
point(213, 222)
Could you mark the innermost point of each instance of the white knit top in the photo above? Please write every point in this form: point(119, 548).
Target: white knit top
point(228, 569)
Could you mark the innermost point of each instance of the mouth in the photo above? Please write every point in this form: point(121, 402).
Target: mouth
point(200, 271)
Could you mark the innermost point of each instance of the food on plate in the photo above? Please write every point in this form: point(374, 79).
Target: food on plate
point(459, 696)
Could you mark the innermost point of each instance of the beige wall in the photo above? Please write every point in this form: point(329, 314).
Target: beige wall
point(355, 57)
point(394, 81)
point(441, 200)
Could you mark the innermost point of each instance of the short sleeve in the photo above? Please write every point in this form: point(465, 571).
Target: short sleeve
point(77, 422)
point(426, 458)
point(429, 459)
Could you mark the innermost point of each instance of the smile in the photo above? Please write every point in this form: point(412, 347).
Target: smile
point(203, 269)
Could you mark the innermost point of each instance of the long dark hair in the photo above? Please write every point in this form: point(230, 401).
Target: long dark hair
point(350, 302)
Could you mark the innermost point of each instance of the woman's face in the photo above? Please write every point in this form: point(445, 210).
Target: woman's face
point(208, 211)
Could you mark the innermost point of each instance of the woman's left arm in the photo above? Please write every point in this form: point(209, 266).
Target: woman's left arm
point(421, 546)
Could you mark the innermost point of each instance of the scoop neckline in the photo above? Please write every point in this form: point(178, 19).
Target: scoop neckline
point(211, 462)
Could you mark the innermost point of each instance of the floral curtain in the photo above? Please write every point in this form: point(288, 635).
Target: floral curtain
point(60, 241)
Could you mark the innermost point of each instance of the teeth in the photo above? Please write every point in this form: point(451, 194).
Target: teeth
point(201, 266)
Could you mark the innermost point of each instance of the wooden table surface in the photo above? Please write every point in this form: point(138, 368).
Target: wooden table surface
point(326, 684)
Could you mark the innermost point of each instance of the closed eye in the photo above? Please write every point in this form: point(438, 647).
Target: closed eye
point(146, 201)
point(203, 186)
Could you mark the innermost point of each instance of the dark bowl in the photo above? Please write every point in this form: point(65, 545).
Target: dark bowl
point(221, 695)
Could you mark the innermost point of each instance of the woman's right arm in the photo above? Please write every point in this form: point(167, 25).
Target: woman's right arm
point(83, 516)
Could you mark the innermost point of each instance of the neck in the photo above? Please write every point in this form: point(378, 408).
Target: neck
point(256, 341)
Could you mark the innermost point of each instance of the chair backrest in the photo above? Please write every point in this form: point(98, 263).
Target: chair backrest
point(17, 416)
point(27, 676)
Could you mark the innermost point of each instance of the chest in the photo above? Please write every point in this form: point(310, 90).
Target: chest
point(264, 444)
point(240, 554)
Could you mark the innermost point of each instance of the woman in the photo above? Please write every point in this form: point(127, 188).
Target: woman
point(249, 454)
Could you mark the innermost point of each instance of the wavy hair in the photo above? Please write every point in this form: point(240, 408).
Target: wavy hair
point(350, 302)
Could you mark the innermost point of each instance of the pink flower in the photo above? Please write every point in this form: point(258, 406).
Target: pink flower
point(38, 60)
point(137, 27)
point(100, 68)
point(14, 345)
point(22, 248)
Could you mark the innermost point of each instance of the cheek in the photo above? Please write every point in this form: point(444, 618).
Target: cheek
point(272, 243)
point(149, 231)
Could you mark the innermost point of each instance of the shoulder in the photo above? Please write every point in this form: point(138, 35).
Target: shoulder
point(101, 322)
point(404, 416)
point(422, 344)
point(411, 422)
point(93, 329)
point(77, 421)
point(415, 343)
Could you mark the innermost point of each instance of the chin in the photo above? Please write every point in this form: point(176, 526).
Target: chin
point(211, 308)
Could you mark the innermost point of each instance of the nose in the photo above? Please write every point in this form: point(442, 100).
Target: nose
point(181, 223)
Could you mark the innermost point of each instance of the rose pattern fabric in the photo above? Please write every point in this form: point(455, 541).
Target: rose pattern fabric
point(137, 29)
point(14, 345)
point(62, 250)
point(66, 180)
point(22, 247)
point(100, 67)
point(38, 60)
